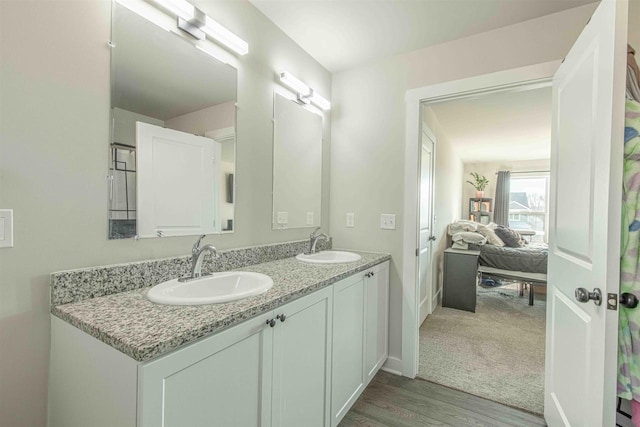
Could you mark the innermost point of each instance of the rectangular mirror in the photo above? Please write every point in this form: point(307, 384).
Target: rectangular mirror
point(173, 118)
point(297, 165)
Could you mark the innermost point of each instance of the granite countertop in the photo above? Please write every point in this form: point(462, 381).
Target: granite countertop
point(143, 330)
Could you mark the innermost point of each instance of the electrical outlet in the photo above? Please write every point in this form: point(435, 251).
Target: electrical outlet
point(309, 218)
point(351, 219)
point(6, 228)
point(283, 218)
point(388, 221)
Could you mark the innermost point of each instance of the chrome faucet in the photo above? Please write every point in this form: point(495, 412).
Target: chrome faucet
point(197, 255)
point(313, 239)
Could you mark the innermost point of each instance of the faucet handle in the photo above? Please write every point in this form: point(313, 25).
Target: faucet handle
point(196, 245)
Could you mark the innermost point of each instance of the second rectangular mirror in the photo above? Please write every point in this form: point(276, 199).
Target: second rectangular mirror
point(297, 165)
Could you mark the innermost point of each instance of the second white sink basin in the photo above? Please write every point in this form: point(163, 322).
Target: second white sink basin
point(329, 257)
point(216, 288)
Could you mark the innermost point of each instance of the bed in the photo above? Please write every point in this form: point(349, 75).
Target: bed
point(526, 264)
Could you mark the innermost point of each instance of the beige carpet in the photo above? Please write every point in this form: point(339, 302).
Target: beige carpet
point(496, 353)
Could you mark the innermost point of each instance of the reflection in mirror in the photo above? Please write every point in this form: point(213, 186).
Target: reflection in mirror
point(297, 165)
point(161, 79)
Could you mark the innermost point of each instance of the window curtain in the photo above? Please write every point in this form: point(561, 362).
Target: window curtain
point(501, 210)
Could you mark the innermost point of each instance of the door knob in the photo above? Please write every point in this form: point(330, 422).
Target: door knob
point(583, 295)
point(432, 238)
point(629, 300)
point(282, 317)
point(271, 322)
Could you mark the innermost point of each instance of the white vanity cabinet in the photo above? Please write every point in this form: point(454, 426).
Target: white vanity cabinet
point(360, 337)
point(274, 370)
point(253, 374)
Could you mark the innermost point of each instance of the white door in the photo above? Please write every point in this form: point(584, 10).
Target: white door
point(177, 182)
point(584, 232)
point(426, 237)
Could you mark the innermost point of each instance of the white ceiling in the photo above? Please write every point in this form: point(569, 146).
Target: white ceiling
point(341, 34)
point(498, 127)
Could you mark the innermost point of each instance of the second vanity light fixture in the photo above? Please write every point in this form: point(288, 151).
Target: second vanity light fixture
point(195, 22)
point(305, 93)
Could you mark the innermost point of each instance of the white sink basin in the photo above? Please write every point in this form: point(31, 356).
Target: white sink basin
point(329, 257)
point(216, 288)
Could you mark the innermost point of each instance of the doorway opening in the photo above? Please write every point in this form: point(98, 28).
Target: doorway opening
point(482, 336)
point(530, 77)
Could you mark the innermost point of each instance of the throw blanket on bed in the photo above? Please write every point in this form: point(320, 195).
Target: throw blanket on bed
point(530, 259)
point(629, 324)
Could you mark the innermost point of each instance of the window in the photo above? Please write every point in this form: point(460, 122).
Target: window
point(528, 205)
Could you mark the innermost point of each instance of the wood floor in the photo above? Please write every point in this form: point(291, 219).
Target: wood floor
point(395, 401)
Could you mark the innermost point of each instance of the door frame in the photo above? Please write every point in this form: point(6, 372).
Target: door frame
point(523, 78)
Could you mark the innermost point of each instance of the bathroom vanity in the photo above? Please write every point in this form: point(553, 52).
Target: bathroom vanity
point(297, 355)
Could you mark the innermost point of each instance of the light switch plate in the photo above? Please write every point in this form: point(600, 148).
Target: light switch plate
point(6, 228)
point(388, 221)
point(309, 218)
point(351, 219)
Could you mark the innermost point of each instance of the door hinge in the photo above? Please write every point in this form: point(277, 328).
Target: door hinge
point(612, 301)
point(417, 251)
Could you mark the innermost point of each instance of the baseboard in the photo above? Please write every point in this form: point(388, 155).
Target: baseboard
point(393, 365)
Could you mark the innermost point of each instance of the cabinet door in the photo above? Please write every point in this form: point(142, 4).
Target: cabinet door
point(302, 362)
point(376, 319)
point(223, 380)
point(348, 379)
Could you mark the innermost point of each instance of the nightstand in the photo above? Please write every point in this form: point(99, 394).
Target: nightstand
point(460, 276)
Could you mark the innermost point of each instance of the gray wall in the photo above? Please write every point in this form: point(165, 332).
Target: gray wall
point(54, 104)
point(368, 127)
point(446, 195)
point(634, 28)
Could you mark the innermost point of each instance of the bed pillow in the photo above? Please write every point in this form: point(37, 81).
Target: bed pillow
point(510, 237)
point(462, 225)
point(469, 237)
point(490, 234)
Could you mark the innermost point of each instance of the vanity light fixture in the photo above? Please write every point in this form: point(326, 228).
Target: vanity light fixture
point(305, 93)
point(195, 22)
point(320, 101)
point(303, 99)
point(294, 83)
point(181, 8)
point(226, 37)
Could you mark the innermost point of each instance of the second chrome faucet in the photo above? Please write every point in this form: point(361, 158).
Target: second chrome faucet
point(313, 239)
